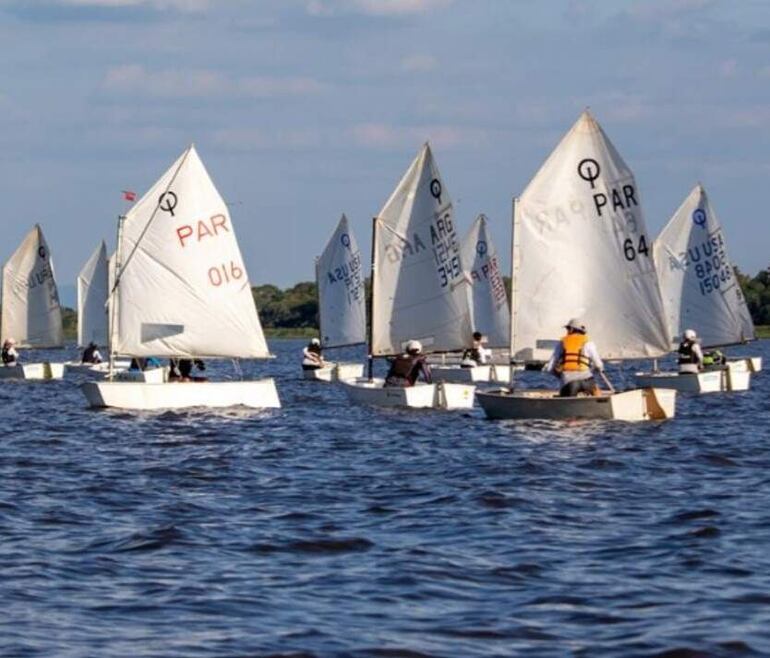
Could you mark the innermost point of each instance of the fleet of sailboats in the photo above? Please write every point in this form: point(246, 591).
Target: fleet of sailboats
point(177, 288)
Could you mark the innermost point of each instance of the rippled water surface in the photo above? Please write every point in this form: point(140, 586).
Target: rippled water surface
point(324, 529)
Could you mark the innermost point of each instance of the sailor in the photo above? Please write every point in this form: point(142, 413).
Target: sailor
point(690, 354)
point(181, 370)
point(476, 354)
point(407, 367)
point(573, 360)
point(91, 354)
point(312, 357)
point(10, 355)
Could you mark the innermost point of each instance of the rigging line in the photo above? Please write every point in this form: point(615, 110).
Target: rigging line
point(119, 275)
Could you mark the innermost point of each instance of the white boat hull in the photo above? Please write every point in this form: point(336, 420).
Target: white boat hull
point(335, 372)
point(420, 396)
point(635, 405)
point(33, 371)
point(749, 363)
point(149, 376)
point(260, 394)
point(735, 377)
point(477, 374)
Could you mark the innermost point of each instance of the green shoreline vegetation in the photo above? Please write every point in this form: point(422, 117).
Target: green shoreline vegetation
point(293, 312)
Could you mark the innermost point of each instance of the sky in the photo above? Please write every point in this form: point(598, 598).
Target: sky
point(305, 109)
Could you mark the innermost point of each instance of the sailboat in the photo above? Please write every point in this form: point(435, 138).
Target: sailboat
point(341, 301)
point(181, 291)
point(419, 288)
point(31, 314)
point(700, 291)
point(489, 304)
point(92, 299)
point(580, 249)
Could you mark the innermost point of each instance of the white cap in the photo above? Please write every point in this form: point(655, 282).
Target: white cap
point(575, 323)
point(315, 341)
point(690, 334)
point(414, 346)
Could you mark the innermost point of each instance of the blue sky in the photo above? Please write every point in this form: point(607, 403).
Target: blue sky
point(304, 109)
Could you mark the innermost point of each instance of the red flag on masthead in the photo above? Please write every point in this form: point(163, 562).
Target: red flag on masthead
point(128, 195)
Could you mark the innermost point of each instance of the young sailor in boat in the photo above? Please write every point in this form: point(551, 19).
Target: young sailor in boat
point(690, 354)
point(573, 361)
point(180, 370)
point(91, 354)
point(10, 355)
point(142, 363)
point(312, 358)
point(406, 368)
point(476, 354)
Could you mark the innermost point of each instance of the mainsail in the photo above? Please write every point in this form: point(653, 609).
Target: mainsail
point(491, 315)
point(581, 249)
point(699, 287)
point(92, 299)
point(182, 287)
point(31, 313)
point(420, 290)
point(341, 295)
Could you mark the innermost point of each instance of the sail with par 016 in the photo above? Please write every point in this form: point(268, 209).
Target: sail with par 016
point(31, 312)
point(182, 287)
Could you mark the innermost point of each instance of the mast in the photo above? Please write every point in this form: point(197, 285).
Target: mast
point(114, 294)
point(372, 270)
point(318, 302)
point(515, 262)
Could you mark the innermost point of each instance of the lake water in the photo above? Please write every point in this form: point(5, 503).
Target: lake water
point(324, 529)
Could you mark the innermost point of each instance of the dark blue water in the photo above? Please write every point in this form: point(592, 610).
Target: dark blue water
point(325, 529)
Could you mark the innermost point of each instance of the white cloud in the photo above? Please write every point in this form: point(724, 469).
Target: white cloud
point(181, 5)
point(419, 63)
point(374, 7)
point(172, 83)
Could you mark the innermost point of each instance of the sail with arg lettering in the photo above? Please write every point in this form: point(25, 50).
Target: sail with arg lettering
point(93, 290)
point(31, 313)
point(491, 315)
point(182, 288)
point(341, 295)
point(420, 290)
point(581, 249)
point(699, 287)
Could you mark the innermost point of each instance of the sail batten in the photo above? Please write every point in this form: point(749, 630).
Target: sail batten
point(699, 287)
point(31, 313)
point(584, 251)
point(341, 295)
point(182, 288)
point(420, 289)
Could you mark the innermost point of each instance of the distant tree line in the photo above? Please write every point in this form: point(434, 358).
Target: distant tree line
point(297, 307)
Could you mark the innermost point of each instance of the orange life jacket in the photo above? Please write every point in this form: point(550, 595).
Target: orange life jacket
point(573, 358)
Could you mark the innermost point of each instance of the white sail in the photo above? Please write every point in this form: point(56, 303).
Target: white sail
point(182, 287)
point(31, 313)
point(420, 289)
point(92, 299)
point(581, 249)
point(341, 295)
point(491, 314)
point(699, 287)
